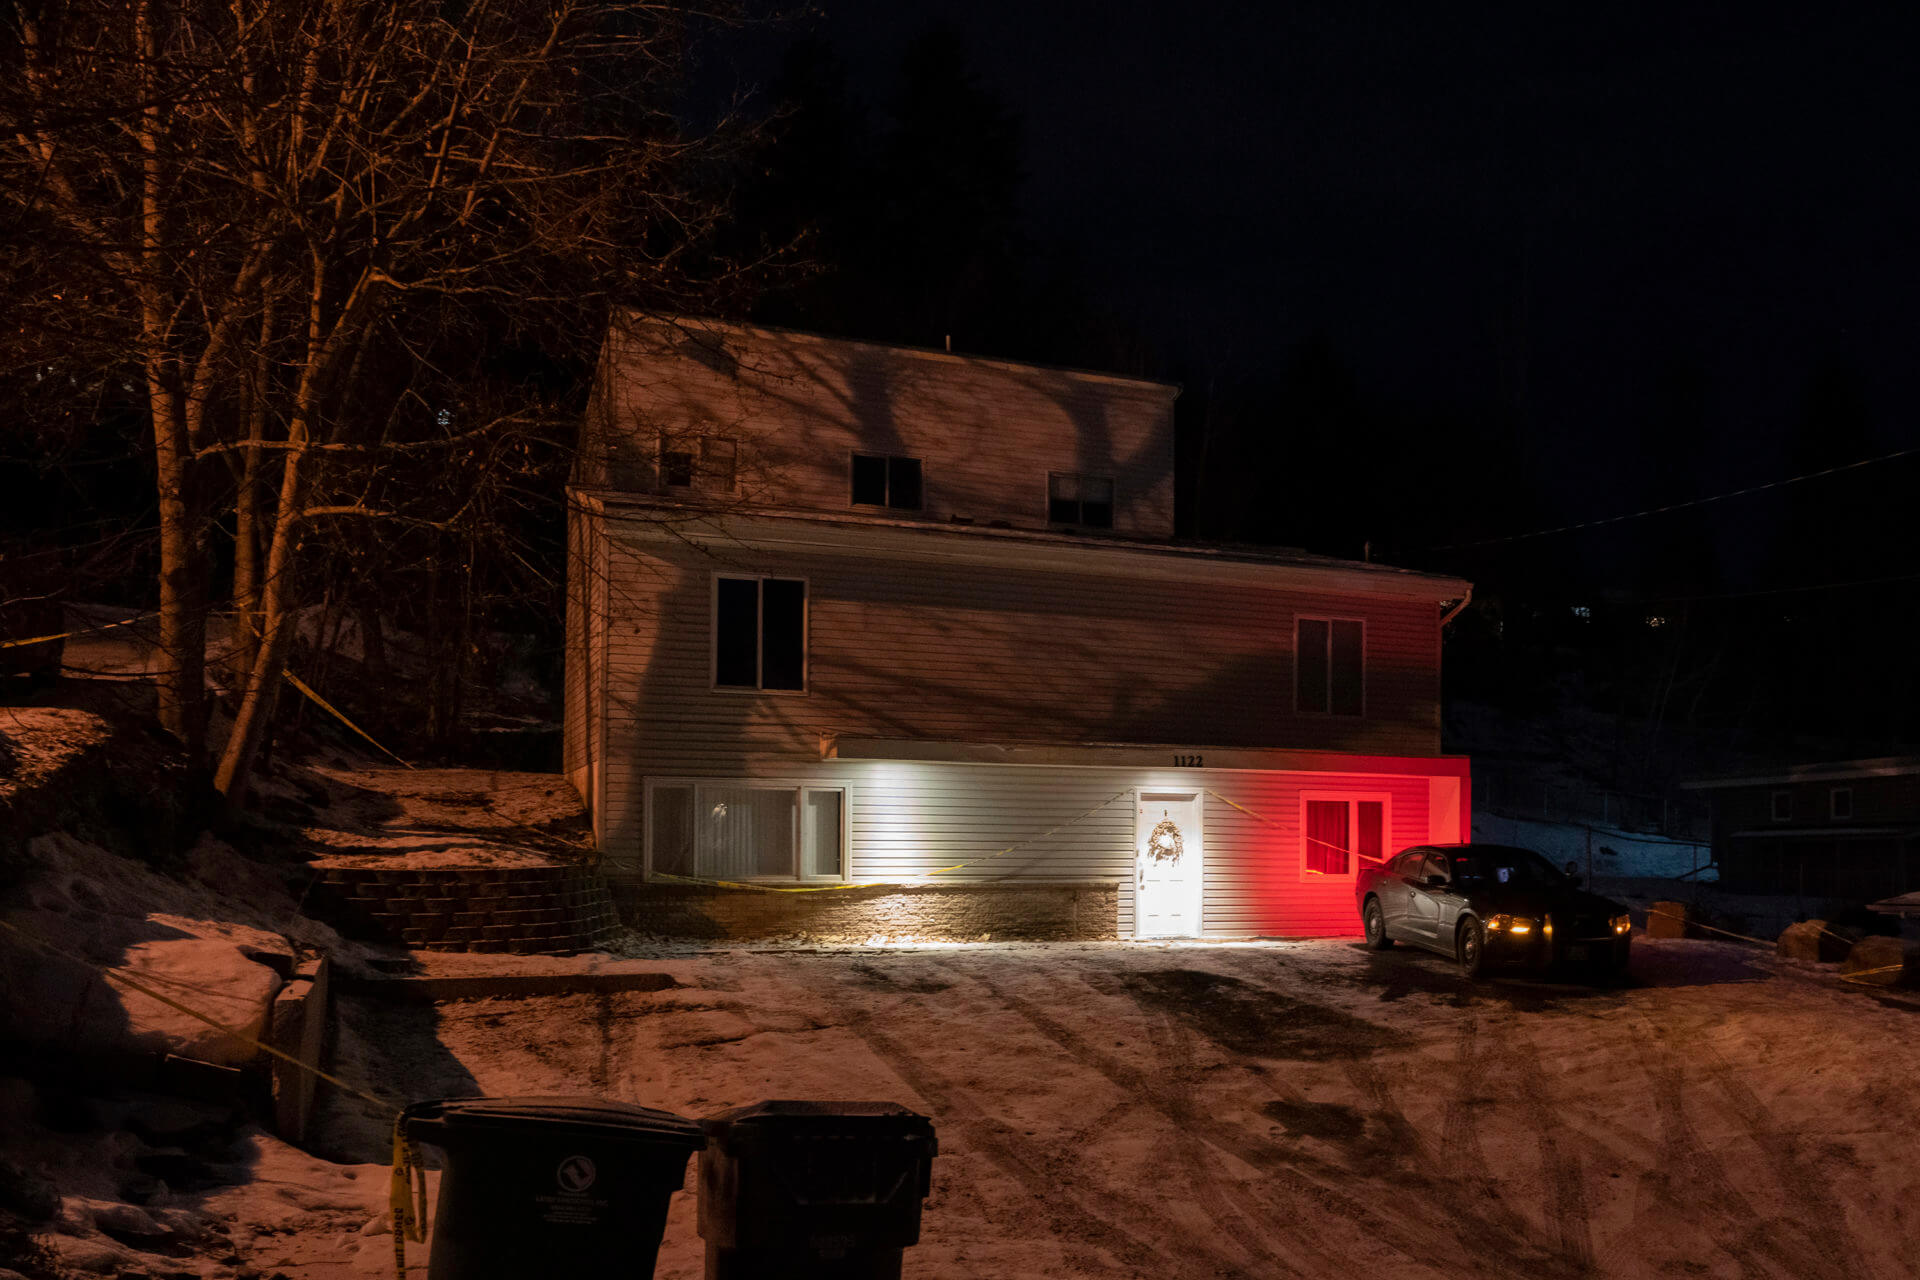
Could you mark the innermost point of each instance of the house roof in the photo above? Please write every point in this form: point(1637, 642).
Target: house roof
point(851, 533)
point(702, 324)
point(1824, 771)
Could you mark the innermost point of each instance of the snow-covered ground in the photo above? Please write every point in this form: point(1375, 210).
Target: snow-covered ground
point(1609, 851)
point(1272, 1109)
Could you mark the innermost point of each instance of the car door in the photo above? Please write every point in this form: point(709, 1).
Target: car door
point(1397, 890)
point(1425, 902)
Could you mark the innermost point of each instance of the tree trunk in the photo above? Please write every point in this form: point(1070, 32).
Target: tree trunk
point(256, 701)
point(245, 632)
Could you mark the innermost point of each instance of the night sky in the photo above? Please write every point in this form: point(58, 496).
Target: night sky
point(1575, 216)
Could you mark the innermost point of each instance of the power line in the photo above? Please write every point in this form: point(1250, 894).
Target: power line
point(1682, 506)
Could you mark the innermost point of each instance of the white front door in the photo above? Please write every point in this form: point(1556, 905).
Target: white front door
point(1166, 867)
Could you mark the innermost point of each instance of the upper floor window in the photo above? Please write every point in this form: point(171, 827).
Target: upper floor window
point(759, 633)
point(882, 481)
point(1330, 666)
point(1840, 804)
point(1083, 500)
point(704, 464)
point(1783, 806)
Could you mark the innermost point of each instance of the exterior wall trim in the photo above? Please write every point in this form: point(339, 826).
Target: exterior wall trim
point(1095, 755)
point(741, 528)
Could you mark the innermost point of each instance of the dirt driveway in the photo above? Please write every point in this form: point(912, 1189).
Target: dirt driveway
point(1286, 1109)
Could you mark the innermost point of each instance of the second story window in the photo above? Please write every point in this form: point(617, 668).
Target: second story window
point(1840, 804)
point(1783, 806)
point(759, 633)
point(881, 481)
point(1086, 501)
point(697, 465)
point(1330, 666)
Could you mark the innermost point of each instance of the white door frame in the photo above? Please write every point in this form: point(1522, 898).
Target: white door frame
point(1195, 796)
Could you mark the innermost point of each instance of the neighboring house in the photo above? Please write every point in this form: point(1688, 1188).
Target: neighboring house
point(849, 613)
point(1845, 829)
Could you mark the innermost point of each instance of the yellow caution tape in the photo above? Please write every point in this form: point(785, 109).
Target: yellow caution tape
point(408, 1222)
point(336, 713)
point(68, 635)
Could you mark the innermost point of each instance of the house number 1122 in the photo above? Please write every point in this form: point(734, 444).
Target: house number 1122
point(1189, 762)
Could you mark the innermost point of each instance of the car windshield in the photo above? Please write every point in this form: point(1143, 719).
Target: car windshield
point(1507, 866)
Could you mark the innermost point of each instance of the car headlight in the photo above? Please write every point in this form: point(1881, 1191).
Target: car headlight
point(1509, 924)
point(1621, 924)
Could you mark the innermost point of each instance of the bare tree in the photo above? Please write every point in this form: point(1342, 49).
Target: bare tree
point(296, 225)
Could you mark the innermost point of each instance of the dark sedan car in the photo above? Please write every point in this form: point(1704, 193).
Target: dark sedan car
point(1487, 905)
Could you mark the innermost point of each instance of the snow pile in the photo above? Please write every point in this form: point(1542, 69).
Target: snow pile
point(1614, 852)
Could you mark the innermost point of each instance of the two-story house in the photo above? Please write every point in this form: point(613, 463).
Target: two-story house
point(844, 614)
point(1843, 830)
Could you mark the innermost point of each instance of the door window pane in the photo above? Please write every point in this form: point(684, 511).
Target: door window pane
point(1311, 661)
point(1369, 838)
point(717, 465)
point(869, 480)
point(903, 484)
point(673, 830)
point(1327, 842)
point(820, 834)
point(736, 633)
point(783, 634)
point(746, 831)
point(1345, 679)
point(1096, 502)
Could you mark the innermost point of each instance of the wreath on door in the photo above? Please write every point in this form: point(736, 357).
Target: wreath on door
point(1166, 843)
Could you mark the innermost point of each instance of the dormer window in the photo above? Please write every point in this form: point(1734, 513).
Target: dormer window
point(702, 465)
point(880, 480)
point(1086, 501)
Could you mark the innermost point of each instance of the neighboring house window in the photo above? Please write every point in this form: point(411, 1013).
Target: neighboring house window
point(746, 830)
point(703, 465)
point(1840, 804)
point(1338, 830)
point(1083, 500)
point(759, 633)
point(1330, 668)
point(1783, 806)
point(880, 481)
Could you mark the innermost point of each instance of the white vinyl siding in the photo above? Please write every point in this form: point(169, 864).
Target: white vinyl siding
point(907, 820)
point(798, 406)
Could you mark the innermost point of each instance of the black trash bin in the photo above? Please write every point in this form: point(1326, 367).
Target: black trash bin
point(551, 1186)
point(813, 1190)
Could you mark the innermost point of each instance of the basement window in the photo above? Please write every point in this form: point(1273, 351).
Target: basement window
point(746, 830)
point(882, 481)
point(1086, 501)
point(759, 633)
point(1330, 666)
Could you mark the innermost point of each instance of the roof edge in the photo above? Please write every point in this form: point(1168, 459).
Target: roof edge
point(1172, 389)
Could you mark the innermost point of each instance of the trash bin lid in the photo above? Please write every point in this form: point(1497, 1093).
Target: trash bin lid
point(799, 1116)
point(602, 1117)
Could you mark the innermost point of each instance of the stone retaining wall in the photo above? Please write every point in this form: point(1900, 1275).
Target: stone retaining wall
point(529, 910)
point(1037, 911)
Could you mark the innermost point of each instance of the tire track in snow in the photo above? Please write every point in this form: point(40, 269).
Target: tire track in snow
point(1458, 1230)
point(1566, 1179)
point(1089, 1215)
point(1223, 1200)
point(1694, 1182)
point(1824, 1221)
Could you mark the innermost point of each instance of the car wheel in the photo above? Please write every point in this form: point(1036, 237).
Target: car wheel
point(1376, 924)
point(1471, 948)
